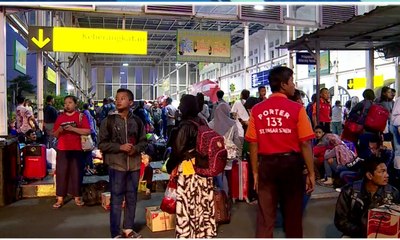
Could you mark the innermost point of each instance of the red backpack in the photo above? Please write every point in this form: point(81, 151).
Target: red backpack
point(377, 118)
point(212, 155)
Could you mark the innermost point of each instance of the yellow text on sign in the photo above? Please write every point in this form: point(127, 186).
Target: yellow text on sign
point(361, 83)
point(89, 40)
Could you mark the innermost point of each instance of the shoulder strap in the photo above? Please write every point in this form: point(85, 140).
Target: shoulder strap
point(80, 119)
point(110, 123)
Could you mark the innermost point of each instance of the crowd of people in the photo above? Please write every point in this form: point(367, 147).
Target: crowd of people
point(290, 148)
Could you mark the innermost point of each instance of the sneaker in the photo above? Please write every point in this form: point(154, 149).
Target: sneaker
point(133, 234)
point(338, 189)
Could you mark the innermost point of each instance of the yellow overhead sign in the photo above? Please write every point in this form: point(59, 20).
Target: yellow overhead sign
point(88, 40)
point(361, 83)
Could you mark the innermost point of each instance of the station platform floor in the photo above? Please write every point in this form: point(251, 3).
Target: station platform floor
point(35, 218)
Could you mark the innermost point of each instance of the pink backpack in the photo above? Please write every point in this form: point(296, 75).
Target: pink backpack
point(211, 150)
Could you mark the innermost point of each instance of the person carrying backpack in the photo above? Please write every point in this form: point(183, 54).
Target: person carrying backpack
point(195, 213)
point(122, 139)
point(351, 214)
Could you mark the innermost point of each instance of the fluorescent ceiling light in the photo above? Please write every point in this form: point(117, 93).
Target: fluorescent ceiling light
point(258, 7)
point(125, 64)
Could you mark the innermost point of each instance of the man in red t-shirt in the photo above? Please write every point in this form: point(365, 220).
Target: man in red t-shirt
point(325, 111)
point(280, 134)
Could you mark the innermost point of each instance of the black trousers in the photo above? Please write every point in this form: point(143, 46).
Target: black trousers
point(69, 173)
point(280, 180)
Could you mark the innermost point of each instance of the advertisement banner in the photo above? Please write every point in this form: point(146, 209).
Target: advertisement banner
point(203, 46)
point(325, 65)
point(20, 57)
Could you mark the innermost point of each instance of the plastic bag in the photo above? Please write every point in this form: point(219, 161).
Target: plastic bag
point(168, 203)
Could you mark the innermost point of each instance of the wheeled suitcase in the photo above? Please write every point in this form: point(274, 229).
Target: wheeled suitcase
point(35, 161)
point(240, 180)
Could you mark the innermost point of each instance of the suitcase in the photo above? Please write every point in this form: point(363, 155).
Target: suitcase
point(222, 207)
point(377, 118)
point(240, 180)
point(35, 161)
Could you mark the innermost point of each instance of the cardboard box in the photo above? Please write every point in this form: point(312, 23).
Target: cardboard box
point(384, 222)
point(105, 200)
point(157, 220)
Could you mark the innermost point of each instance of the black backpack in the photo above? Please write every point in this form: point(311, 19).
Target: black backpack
point(91, 193)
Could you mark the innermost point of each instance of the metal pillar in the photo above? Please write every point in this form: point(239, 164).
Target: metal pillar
point(177, 83)
point(246, 55)
point(289, 38)
point(318, 75)
point(39, 75)
point(3, 75)
point(370, 68)
point(197, 74)
point(187, 78)
point(397, 81)
point(57, 56)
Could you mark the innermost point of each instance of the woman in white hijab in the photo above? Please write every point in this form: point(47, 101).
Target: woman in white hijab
point(225, 126)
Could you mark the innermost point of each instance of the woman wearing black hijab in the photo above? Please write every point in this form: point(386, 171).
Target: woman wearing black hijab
point(195, 214)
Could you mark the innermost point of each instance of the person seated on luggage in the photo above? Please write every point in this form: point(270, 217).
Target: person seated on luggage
point(147, 175)
point(336, 158)
point(30, 137)
point(351, 214)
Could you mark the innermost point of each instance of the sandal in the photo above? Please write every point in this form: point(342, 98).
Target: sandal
point(58, 205)
point(79, 202)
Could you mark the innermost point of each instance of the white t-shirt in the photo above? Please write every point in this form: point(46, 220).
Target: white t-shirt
point(337, 114)
point(242, 113)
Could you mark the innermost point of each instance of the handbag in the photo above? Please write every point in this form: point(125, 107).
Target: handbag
point(230, 146)
point(354, 127)
point(168, 203)
point(86, 140)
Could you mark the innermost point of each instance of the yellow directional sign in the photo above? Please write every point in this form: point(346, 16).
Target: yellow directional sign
point(87, 40)
point(361, 83)
point(350, 83)
point(40, 42)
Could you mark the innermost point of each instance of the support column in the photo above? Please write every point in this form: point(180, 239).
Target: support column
point(318, 75)
point(289, 38)
point(197, 74)
point(177, 83)
point(397, 81)
point(370, 68)
point(187, 78)
point(3, 75)
point(57, 56)
point(246, 43)
point(39, 74)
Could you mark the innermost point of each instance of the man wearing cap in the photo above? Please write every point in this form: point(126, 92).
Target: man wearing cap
point(280, 135)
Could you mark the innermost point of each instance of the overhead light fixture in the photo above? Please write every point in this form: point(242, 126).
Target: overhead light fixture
point(125, 64)
point(258, 7)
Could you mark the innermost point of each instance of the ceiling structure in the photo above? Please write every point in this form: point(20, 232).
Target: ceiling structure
point(162, 22)
point(378, 30)
point(162, 29)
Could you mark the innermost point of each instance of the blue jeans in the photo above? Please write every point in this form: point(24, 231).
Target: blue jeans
point(337, 128)
point(333, 169)
point(123, 184)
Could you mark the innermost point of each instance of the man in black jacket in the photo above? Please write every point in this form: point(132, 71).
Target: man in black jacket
point(356, 199)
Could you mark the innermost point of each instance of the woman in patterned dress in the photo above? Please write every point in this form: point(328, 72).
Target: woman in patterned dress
point(195, 213)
